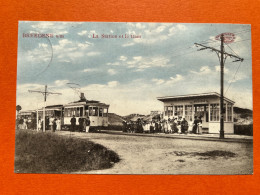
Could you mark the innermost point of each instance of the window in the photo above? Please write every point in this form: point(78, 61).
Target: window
point(86, 111)
point(229, 112)
point(65, 112)
point(81, 111)
point(168, 111)
point(100, 111)
point(188, 112)
point(105, 112)
point(93, 111)
point(214, 112)
point(77, 112)
point(178, 110)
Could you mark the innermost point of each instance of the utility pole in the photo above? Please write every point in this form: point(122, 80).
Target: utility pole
point(222, 55)
point(45, 93)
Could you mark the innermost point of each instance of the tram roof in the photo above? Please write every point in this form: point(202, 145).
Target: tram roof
point(192, 96)
point(52, 107)
point(26, 112)
point(87, 102)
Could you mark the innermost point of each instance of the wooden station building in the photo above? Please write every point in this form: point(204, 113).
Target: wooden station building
point(204, 105)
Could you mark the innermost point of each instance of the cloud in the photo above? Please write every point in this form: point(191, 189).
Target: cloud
point(84, 32)
point(93, 53)
point(170, 81)
point(112, 71)
point(158, 81)
point(112, 83)
point(174, 80)
point(60, 83)
point(43, 45)
point(90, 70)
point(123, 58)
point(128, 44)
point(181, 27)
point(152, 33)
point(217, 68)
point(203, 70)
point(113, 64)
point(139, 63)
point(172, 31)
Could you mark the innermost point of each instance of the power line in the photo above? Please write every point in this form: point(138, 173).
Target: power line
point(233, 77)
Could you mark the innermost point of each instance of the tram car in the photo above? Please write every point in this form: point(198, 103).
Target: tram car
point(95, 110)
point(29, 114)
point(27, 119)
point(55, 111)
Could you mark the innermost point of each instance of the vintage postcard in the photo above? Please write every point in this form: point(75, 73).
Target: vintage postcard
point(134, 98)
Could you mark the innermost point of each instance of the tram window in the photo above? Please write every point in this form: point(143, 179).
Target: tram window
point(105, 112)
point(77, 112)
point(72, 112)
point(100, 111)
point(86, 111)
point(93, 111)
point(68, 112)
point(81, 111)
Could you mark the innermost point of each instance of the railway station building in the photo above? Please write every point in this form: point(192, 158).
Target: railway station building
point(204, 105)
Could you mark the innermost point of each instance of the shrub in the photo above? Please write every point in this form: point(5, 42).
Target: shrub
point(243, 129)
point(50, 153)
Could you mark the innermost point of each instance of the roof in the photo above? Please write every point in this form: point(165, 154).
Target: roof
point(87, 102)
point(193, 96)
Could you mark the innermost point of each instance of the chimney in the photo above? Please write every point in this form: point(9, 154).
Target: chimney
point(82, 97)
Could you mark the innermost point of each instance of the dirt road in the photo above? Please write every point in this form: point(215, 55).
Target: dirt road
point(153, 155)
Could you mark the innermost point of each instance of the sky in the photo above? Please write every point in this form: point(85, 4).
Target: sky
point(144, 61)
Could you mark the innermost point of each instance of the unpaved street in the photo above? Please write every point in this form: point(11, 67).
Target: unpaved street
point(153, 155)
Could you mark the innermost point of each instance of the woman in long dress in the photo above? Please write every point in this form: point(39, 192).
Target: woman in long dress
point(39, 124)
point(58, 124)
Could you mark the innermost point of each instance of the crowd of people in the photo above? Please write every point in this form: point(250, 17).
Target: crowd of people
point(84, 124)
point(162, 126)
point(52, 123)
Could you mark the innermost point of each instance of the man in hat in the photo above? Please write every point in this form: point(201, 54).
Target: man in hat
point(73, 123)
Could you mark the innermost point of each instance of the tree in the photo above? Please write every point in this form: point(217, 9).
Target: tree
point(18, 108)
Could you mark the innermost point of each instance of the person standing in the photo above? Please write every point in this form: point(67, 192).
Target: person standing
point(124, 126)
point(87, 121)
point(73, 123)
point(165, 126)
point(39, 124)
point(51, 123)
point(54, 124)
point(47, 123)
point(199, 125)
point(195, 125)
point(58, 124)
point(81, 124)
point(184, 125)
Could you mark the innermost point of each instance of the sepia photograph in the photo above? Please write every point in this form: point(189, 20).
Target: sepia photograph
point(134, 98)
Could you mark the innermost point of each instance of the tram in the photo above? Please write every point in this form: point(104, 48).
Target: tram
point(95, 110)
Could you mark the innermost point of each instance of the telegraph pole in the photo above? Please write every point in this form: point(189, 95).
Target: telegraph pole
point(45, 93)
point(221, 132)
point(222, 55)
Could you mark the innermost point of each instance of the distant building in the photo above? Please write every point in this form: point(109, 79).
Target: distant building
point(204, 105)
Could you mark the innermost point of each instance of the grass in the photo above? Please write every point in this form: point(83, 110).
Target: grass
point(50, 153)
